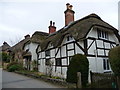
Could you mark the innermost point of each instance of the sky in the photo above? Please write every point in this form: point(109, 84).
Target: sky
point(21, 17)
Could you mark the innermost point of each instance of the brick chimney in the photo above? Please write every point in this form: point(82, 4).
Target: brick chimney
point(27, 36)
point(69, 14)
point(52, 27)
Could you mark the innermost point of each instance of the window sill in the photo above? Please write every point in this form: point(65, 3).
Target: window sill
point(107, 71)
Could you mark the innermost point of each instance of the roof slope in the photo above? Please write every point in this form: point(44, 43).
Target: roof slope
point(78, 29)
point(5, 46)
point(38, 37)
point(19, 45)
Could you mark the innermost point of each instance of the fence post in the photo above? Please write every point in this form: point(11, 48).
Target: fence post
point(91, 74)
point(79, 82)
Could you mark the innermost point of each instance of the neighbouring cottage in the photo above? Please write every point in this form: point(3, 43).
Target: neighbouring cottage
point(29, 48)
point(17, 51)
point(90, 36)
point(5, 48)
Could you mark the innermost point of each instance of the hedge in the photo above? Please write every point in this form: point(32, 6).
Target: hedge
point(78, 63)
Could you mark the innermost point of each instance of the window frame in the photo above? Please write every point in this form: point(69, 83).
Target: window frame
point(106, 65)
point(47, 53)
point(58, 62)
point(103, 34)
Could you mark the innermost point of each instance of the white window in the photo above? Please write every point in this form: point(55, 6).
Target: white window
point(106, 65)
point(102, 34)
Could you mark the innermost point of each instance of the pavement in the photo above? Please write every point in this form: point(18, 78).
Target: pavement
point(13, 80)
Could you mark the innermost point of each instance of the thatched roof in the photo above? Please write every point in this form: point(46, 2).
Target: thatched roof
point(78, 29)
point(37, 37)
point(19, 45)
point(5, 46)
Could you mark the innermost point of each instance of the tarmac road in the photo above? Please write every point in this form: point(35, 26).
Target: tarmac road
point(13, 80)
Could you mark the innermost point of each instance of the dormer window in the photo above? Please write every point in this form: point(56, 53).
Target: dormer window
point(102, 34)
point(69, 38)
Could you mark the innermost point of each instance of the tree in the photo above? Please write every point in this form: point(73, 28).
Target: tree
point(5, 57)
point(114, 57)
point(78, 63)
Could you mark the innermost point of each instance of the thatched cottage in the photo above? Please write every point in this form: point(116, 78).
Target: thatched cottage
point(90, 36)
point(17, 51)
point(5, 47)
point(29, 48)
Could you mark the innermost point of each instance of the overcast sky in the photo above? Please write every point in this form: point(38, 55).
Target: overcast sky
point(21, 17)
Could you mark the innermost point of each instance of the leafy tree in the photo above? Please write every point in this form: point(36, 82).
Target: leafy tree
point(78, 63)
point(114, 57)
point(5, 57)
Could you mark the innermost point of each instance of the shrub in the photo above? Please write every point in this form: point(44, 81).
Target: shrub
point(14, 66)
point(10, 64)
point(114, 57)
point(78, 63)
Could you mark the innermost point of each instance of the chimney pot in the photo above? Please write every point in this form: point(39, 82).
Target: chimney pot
point(53, 23)
point(50, 23)
point(67, 5)
point(69, 14)
point(70, 7)
point(52, 27)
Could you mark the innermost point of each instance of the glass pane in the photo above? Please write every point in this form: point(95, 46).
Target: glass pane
point(104, 64)
point(108, 67)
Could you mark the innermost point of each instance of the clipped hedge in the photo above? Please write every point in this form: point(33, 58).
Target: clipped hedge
point(78, 63)
point(114, 57)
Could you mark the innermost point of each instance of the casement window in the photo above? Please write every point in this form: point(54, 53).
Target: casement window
point(47, 62)
point(102, 34)
point(58, 62)
point(69, 38)
point(47, 53)
point(106, 65)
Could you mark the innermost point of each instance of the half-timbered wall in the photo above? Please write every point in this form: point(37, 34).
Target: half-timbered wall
point(94, 48)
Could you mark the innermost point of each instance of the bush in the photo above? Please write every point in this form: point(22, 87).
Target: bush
point(14, 66)
point(5, 57)
point(10, 64)
point(114, 57)
point(78, 63)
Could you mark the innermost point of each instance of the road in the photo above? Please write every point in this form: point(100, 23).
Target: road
point(13, 80)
